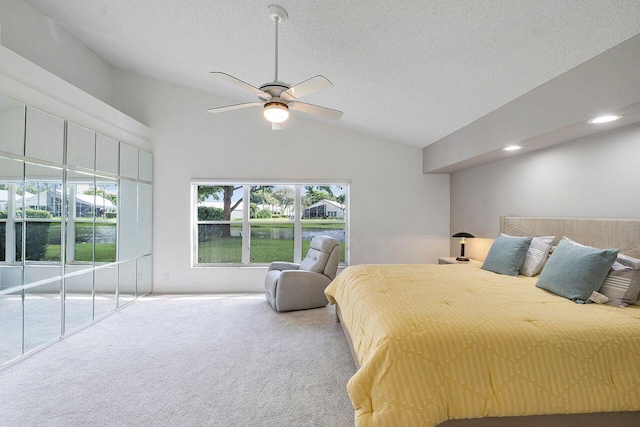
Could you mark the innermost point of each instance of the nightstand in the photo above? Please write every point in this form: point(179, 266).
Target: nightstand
point(452, 260)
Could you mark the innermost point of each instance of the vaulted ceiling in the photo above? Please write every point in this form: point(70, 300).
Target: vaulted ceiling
point(408, 71)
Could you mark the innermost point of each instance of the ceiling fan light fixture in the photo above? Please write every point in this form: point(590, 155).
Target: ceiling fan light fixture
point(276, 97)
point(276, 112)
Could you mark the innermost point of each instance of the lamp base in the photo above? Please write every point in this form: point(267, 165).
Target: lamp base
point(462, 258)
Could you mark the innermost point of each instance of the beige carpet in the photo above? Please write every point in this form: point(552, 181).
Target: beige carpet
point(189, 360)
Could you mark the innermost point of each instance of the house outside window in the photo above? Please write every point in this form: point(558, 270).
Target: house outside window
point(323, 209)
point(247, 224)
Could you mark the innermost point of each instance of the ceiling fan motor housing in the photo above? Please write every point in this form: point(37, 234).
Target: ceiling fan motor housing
point(275, 89)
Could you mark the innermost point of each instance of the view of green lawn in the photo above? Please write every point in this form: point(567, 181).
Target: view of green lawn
point(229, 250)
point(104, 252)
point(271, 240)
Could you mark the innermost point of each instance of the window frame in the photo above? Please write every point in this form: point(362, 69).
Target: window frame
point(10, 257)
point(247, 222)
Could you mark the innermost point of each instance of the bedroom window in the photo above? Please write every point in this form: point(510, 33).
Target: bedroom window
point(247, 224)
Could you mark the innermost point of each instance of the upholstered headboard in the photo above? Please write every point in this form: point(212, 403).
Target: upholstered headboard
point(623, 234)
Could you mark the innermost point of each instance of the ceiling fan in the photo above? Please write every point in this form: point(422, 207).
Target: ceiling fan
point(276, 97)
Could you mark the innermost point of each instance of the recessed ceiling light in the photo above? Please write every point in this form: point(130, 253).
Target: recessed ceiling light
point(512, 148)
point(605, 119)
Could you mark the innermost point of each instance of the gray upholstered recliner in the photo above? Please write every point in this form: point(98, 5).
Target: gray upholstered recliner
point(291, 286)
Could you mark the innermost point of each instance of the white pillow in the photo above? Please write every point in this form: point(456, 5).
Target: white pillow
point(622, 284)
point(628, 261)
point(537, 255)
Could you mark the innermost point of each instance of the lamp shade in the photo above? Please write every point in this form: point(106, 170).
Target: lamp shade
point(464, 234)
point(276, 112)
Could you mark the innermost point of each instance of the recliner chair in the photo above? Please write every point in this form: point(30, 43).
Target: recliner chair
point(290, 286)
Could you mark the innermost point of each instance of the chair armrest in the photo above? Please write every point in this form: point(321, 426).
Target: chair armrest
point(283, 266)
point(303, 279)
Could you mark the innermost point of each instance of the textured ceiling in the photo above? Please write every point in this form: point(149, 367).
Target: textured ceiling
point(408, 71)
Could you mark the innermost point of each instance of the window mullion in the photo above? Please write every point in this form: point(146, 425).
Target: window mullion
point(10, 227)
point(246, 227)
point(297, 226)
point(194, 219)
point(71, 221)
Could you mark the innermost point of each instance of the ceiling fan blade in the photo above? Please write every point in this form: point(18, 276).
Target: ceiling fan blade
point(234, 107)
point(316, 110)
point(308, 87)
point(277, 126)
point(240, 84)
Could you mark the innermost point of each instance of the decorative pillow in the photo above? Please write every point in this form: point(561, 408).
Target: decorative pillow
point(622, 284)
point(507, 255)
point(537, 255)
point(628, 261)
point(574, 271)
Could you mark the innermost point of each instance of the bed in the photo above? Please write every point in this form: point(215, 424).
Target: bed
point(455, 345)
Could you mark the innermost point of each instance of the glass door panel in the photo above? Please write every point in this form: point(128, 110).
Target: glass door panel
point(81, 212)
point(43, 197)
point(81, 147)
point(144, 275)
point(128, 220)
point(106, 220)
point(44, 138)
point(126, 282)
point(106, 283)
point(145, 216)
point(11, 199)
point(42, 314)
point(78, 301)
point(11, 126)
point(10, 326)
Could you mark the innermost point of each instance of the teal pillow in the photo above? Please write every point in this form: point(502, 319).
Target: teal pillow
point(575, 271)
point(507, 255)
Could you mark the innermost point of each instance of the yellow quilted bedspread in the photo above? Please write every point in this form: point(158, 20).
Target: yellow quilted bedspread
point(439, 342)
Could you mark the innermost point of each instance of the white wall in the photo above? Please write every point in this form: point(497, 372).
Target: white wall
point(29, 33)
point(190, 143)
point(592, 177)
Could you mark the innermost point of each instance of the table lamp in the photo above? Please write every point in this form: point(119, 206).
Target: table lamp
point(463, 235)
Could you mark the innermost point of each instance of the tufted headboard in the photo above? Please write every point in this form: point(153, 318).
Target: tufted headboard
point(623, 234)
